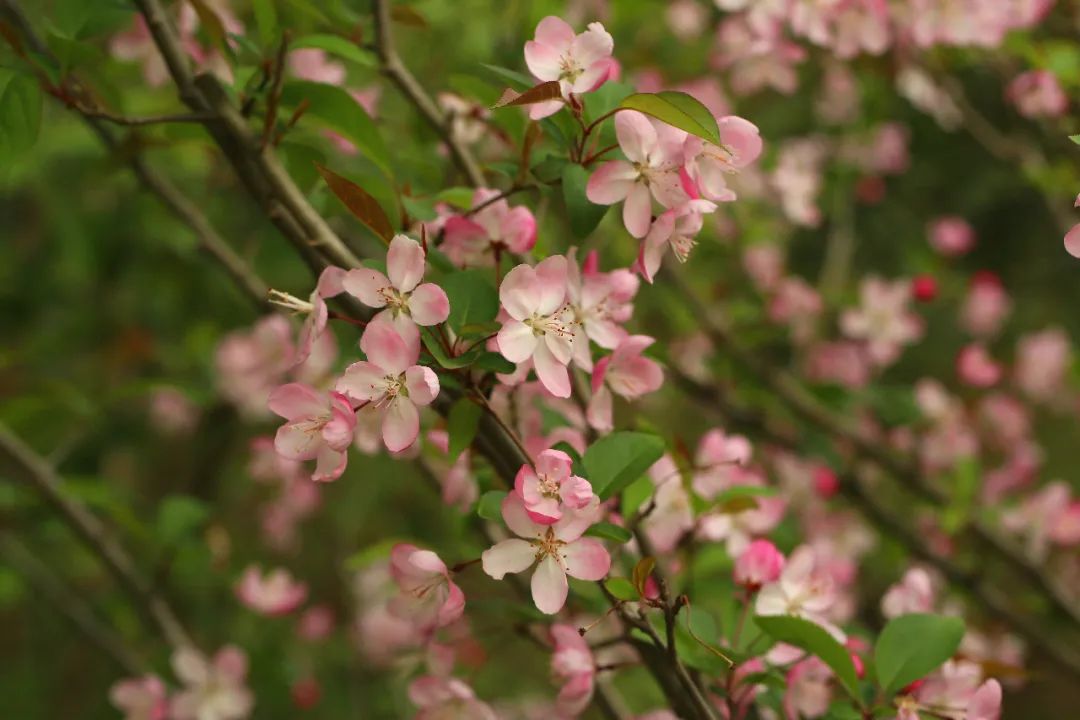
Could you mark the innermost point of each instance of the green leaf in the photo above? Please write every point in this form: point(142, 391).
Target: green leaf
point(912, 646)
point(608, 531)
point(361, 204)
point(616, 460)
point(516, 79)
point(740, 497)
point(20, 113)
point(339, 111)
point(677, 109)
point(490, 505)
point(1075, 139)
point(495, 363)
point(462, 422)
point(434, 345)
point(178, 517)
point(815, 640)
point(339, 46)
point(966, 481)
point(584, 215)
point(621, 588)
point(459, 197)
point(266, 20)
point(473, 298)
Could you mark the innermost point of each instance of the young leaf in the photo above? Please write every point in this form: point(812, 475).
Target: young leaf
point(266, 20)
point(584, 216)
point(337, 45)
point(362, 205)
point(912, 646)
point(490, 505)
point(677, 109)
point(461, 424)
point(1075, 139)
point(616, 460)
point(543, 92)
point(621, 588)
point(642, 570)
point(608, 531)
point(209, 20)
point(815, 640)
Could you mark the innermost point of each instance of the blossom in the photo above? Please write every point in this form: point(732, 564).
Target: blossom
point(1042, 361)
point(142, 698)
point(557, 551)
point(407, 302)
point(675, 229)
point(951, 235)
point(251, 364)
point(626, 373)
point(799, 591)
point(447, 698)
point(985, 704)
point(915, 593)
point(672, 516)
point(213, 689)
point(718, 462)
point(1072, 237)
point(551, 488)
point(492, 227)
point(883, 321)
point(391, 382)
point(468, 120)
point(579, 63)
point(976, 368)
point(1047, 517)
point(427, 597)
point(798, 178)
point(319, 427)
point(739, 525)
point(599, 302)
point(708, 164)
point(458, 483)
point(760, 563)
point(573, 663)
point(986, 305)
point(653, 153)
point(315, 65)
point(276, 593)
point(1037, 93)
point(314, 308)
point(538, 328)
point(808, 691)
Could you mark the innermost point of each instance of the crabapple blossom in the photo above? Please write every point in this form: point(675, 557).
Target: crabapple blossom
point(758, 564)
point(707, 165)
point(809, 689)
point(538, 327)
point(392, 382)
point(316, 623)
point(719, 461)
point(924, 288)
point(843, 363)
point(626, 373)
point(951, 236)
point(1072, 237)
point(447, 698)
point(672, 516)
point(600, 302)
point(1042, 361)
point(275, 593)
point(797, 304)
point(654, 156)
point(407, 302)
point(976, 368)
point(737, 527)
point(800, 590)
point(493, 227)
point(1048, 517)
point(883, 320)
point(986, 305)
point(427, 596)
point(675, 229)
point(314, 308)
point(557, 551)
point(319, 426)
point(458, 483)
point(142, 698)
point(551, 488)
point(251, 364)
point(798, 179)
point(315, 65)
point(213, 689)
point(468, 120)
point(985, 704)
point(580, 63)
point(572, 662)
point(1037, 93)
point(915, 593)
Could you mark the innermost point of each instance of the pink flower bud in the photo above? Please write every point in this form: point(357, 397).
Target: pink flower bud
point(825, 482)
point(759, 564)
point(924, 288)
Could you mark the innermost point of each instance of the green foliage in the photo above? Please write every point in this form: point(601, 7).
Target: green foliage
point(473, 298)
point(179, 517)
point(814, 639)
point(20, 114)
point(608, 531)
point(616, 460)
point(677, 109)
point(462, 423)
point(490, 505)
point(584, 216)
point(912, 646)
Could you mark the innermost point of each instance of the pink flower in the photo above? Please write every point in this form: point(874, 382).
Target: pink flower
point(600, 302)
point(976, 368)
point(1042, 362)
point(447, 698)
point(809, 690)
point(319, 427)
point(986, 306)
point(1072, 238)
point(275, 594)
point(579, 63)
point(797, 304)
point(801, 590)
point(391, 382)
point(764, 263)
point(407, 302)
point(427, 597)
point(551, 489)
point(315, 623)
point(760, 563)
point(557, 550)
point(653, 153)
point(495, 228)
point(314, 64)
point(708, 164)
point(1037, 93)
point(458, 483)
point(842, 362)
point(738, 527)
point(572, 663)
point(915, 593)
point(1047, 517)
point(674, 229)
point(985, 704)
point(798, 179)
point(314, 308)
point(626, 373)
point(538, 327)
point(883, 321)
point(719, 461)
point(213, 690)
point(672, 516)
point(951, 236)
point(251, 364)
point(142, 698)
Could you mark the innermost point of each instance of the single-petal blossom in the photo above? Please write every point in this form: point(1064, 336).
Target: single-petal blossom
point(276, 593)
point(427, 596)
point(550, 487)
point(319, 426)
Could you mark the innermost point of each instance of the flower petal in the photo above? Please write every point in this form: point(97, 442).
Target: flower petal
point(405, 263)
point(637, 210)
point(519, 292)
point(429, 305)
point(612, 182)
point(586, 559)
point(365, 284)
point(296, 400)
point(549, 587)
point(508, 556)
point(552, 374)
point(362, 381)
point(422, 384)
point(516, 341)
point(401, 424)
point(385, 347)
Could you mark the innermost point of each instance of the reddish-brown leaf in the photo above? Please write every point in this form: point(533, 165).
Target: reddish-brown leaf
point(543, 92)
point(366, 209)
point(408, 15)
